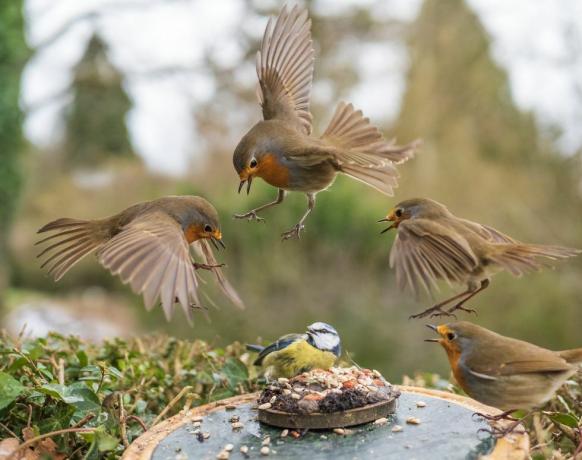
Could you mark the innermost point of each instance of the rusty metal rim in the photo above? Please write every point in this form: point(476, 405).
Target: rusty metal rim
point(319, 421)
point(514, 447)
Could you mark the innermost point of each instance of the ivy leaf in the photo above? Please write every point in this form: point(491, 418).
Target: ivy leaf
point(235, 372)
point(11, 389)
point(61, 392)
point(564, 419)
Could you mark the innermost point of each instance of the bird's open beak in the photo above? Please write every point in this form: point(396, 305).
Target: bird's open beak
point(434, 328)
point(389, 218)
point(216, 239)
point(245, 176)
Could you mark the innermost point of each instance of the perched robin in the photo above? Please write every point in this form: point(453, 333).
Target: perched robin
point(502, 372)
point(432, 244)
point(281, 150)
point(292, 354)
point(148, 246)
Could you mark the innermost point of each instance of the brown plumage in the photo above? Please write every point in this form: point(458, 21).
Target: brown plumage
point(502, 372)
point(281, 150)
point(433, 244)
point(148, 246)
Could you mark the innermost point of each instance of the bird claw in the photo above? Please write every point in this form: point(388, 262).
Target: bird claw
point(251, 215)
point(462, 308)
point(495, 418)
point(434, 312)
point(295, 232)
point(198, 266)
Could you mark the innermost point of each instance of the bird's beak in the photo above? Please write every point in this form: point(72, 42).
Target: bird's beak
point(216, 239)
point(389, 218)
point(245, 176)
point(434, 328)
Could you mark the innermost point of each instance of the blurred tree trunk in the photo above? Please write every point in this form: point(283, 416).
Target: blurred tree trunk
point(13, 55)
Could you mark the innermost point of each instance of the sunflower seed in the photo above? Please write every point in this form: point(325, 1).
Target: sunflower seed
point(397, 429)
point(413, 421)
point(420, 404)
point(265, 450)
point(284, 433)
point(265, 406)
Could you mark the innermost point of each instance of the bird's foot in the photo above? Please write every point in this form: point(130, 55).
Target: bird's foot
point(251, 215)
point(433, 312)
point(295, 232)
point(460, 307)
point(198, 266)
point(495, 418)
point(498, 432)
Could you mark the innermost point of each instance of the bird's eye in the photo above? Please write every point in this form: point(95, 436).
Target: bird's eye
point(398, 212)
point(253, 163)
point(207, 228)
point(451, 336)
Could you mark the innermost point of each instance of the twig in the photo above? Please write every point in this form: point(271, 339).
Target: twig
point(29, 421)
point(122, 419)
point(171, 404)
point(34, 440)
point(12, 433)
point(61, 371)
point(138, 420)
point(84, 420)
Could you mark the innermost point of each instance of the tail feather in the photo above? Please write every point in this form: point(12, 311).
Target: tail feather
point(363, 142)
point(362, 151)
point(519, 259)
point(572, 356)
point(74, 240)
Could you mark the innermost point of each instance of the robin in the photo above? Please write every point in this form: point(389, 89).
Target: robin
point(503, 372)
point(281, 150)
point(292, 354)
point(148, 246)
point(433, 244)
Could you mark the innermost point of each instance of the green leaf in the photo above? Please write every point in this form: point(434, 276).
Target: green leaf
point(61, 392)
point(11, 389)
point(235, 372)
point(82, 357)
point(106, 442)
point(564, 419)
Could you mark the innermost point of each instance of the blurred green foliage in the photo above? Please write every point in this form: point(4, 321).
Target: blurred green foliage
point(109, 391)
point(13, 54)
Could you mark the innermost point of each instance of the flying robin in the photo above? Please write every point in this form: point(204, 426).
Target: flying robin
point(433, 244)
point(318, 348)
point(502, 372)
point(148, 246)
point(281, 150)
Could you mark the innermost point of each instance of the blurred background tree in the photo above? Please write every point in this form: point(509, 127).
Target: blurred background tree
point(13, 54)
point(96, 120)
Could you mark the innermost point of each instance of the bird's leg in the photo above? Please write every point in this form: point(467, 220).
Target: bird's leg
point(198, 266)
point(437, 310)
point(500, 432)
point(459, 306)
point(295, 232)
point(506, 415)
point(252, 214)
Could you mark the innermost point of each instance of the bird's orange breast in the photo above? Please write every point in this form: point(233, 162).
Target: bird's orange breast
point(454, 355)
point(273, 172)
point(193, 232)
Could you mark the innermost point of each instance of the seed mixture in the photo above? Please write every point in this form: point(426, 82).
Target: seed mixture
point(326, 391)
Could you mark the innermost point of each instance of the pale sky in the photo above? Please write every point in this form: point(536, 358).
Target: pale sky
point(539, 44)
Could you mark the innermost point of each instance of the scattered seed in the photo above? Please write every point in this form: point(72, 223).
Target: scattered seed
point(199, 436)
point(223, 455)
point(287, 391)
point(265, 450)
point(295, 396)
point(197, 418)
point(282, 380)
point(397, 429)
point(420, 404)
point(339, 431)
point(234, 418)
point(244, 449)
point(295, 434)
point(381, 421)
point(323, 436)
point(266, 441)
point(229, 447)
point(273, 399)
point(413, 421)
point(265, 406)
point(196, 425)
point(237, 425)
point(284, 433)
point(230, 407)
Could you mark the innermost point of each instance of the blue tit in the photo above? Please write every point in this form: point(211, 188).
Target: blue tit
point(292, 354)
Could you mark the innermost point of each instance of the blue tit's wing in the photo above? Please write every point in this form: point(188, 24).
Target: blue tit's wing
point(255, 348)
point(282, 342)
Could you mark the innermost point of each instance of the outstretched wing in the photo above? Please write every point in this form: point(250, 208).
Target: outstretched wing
point(151, 254)
point(425, 251)
point(280, 344)
point(202, 247)
point(285, 69)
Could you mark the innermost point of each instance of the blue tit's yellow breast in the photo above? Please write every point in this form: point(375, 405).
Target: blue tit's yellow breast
point(296, 358)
